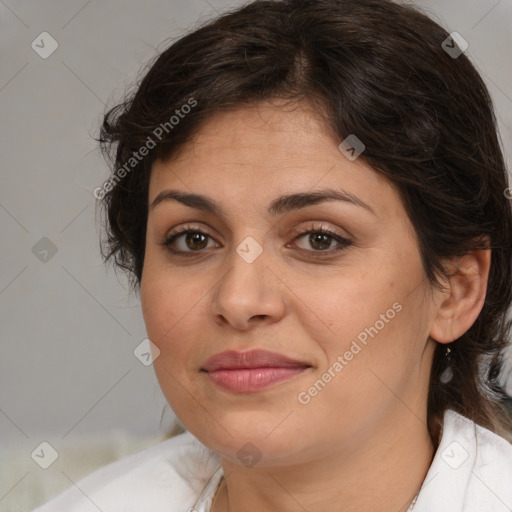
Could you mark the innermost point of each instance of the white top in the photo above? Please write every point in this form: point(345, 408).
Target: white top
point(471, 472)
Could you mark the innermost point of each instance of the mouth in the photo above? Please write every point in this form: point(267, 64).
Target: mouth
point(249, 372)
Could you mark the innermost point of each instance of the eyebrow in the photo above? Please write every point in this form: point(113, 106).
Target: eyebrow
point(283, 204)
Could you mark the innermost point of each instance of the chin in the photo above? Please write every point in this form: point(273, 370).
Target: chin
point(249, 440)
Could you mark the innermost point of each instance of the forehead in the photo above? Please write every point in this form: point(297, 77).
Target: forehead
point(259, 152)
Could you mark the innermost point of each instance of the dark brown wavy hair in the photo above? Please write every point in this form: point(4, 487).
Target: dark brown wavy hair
point(373, 68)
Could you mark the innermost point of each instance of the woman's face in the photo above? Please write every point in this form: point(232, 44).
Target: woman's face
point(353, 307)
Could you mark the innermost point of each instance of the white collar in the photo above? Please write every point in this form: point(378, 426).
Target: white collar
point(471, 470)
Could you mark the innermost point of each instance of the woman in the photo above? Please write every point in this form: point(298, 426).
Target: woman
point(310, 197)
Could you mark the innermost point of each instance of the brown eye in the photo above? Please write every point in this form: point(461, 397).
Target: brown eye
point(320, 240)
point(196, 241)
point(187, 241)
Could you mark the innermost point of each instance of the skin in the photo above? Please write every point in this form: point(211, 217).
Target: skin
point(362, 441)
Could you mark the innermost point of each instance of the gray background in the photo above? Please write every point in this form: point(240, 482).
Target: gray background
point(68, 328)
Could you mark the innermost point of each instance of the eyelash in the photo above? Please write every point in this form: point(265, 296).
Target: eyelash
point(343, 243)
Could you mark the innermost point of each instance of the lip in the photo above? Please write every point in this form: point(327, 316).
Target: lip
point(247, 372)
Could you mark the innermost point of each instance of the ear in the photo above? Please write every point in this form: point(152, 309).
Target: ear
point(459, 305)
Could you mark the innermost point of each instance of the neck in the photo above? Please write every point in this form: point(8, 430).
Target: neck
point(379, 472)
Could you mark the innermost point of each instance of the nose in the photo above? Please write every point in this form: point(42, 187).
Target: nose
point(248, 294)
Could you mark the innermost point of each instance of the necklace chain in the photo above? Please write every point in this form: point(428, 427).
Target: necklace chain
point(216, 492)
point(411, 506)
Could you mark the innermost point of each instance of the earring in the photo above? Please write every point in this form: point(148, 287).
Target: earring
point(447, 374)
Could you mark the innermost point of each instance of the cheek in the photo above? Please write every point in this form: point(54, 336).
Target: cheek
point(374, 317)
point(169, 309)
point(368, 372)
point(172, 306)
point(348, 303)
